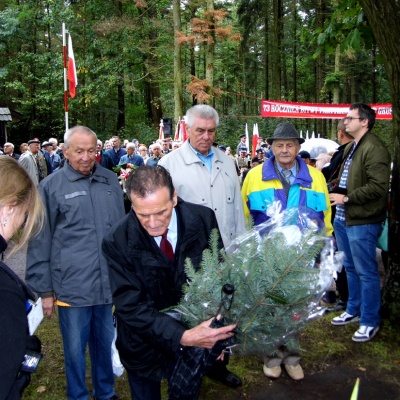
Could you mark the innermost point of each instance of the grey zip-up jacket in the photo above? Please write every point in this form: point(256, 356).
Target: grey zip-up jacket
point(66, 258)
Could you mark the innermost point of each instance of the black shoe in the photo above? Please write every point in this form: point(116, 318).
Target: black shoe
point(339, 306)
point(328, 299)
point(226, 377)
point(114, 397)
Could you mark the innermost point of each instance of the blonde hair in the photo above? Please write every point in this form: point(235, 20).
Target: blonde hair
point(23, 147)
point(18, 190)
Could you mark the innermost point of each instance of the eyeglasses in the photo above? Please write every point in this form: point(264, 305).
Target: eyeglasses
point(349, 119)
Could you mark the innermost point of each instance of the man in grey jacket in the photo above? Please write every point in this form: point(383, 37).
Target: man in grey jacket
point(65, 265)
point(206, 176)
point(29, 160)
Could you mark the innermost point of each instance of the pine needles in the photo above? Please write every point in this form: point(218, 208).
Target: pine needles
point(276, 282)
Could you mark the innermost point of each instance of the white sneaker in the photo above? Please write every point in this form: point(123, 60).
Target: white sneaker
point(295, 372)
point(344, 319)
point(365, 333)
point(272, 372)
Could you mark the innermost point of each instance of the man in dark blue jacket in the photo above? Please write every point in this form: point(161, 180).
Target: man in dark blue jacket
point(117, 151)
point(146, 251)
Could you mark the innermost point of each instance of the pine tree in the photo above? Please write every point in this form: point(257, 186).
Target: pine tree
point(277, 282)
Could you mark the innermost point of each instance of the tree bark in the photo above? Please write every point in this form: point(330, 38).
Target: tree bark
point(384, 16)
point(321, 13)
point(152, 84)
point(277, 65)
point(121, 105)
point(210, 49)
point(266, 57)
point(294, 54)
point(178, 99)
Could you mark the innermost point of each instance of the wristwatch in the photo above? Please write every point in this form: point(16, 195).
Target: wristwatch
point(345, 199)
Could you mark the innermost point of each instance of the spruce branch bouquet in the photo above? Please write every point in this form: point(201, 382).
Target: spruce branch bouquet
point(279, 270)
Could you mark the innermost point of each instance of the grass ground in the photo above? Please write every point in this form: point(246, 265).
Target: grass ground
point(331, 362)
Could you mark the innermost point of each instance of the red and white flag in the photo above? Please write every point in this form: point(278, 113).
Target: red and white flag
point(183, 132)
point(72, 78)
point(161, 132)
point(255, 140)
point(247, 138)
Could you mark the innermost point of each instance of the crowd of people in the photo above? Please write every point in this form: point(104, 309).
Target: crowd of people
point(88, 255)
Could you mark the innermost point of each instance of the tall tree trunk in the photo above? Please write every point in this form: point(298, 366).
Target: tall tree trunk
point(150, 64)
point(374, 82)
point(121, 86)
point(193, 57)
point(321, 12)
point(336, 92)
point(210, 49)
point(121, 105)
point(277, 67)
point(266, 58)
point(178, 99)
point(384, 17)
point(294, 54)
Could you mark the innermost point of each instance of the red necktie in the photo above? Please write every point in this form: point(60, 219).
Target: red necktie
point(166, 246)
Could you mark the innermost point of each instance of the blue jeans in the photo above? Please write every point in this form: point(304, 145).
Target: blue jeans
point(358, 242)
point(81, 326)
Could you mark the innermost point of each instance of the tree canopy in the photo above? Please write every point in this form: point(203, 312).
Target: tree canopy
point(139, 61)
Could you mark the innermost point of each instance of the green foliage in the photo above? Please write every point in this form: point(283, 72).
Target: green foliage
point(334, 78)
point(127, 48)
point(347, 27)
point(275, 282)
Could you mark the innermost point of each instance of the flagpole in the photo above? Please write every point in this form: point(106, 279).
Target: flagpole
point(64, 33)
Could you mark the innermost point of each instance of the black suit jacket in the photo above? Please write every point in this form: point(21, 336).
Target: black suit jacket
point(144, 282)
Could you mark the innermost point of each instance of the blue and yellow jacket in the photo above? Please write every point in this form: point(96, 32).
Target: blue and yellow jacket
point(262, 187)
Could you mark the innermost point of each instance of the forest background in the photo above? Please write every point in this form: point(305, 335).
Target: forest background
point(139, 61)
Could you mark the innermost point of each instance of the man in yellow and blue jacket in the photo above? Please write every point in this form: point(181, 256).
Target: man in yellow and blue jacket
point(286, 178)
point(266, 183)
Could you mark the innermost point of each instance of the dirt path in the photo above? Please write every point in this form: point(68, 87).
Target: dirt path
point(337, 383)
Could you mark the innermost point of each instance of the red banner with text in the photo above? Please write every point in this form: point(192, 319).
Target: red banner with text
point(284, 109)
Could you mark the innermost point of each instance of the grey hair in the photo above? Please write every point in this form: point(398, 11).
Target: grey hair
point(130, 144)
point(203, 111)
point(75, 129)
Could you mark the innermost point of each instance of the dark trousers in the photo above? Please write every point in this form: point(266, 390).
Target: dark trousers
point(341, 285)
point(144, 389)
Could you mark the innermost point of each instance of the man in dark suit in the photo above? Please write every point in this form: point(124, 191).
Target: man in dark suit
point(8, 150)
point(102, 157)
point(146, 252)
